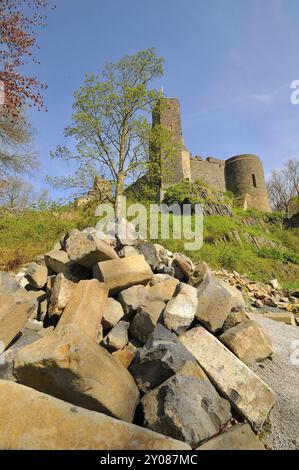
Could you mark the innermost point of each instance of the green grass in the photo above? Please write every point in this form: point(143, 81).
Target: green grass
point(24, 236)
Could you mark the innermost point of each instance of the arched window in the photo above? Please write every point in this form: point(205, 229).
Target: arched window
point(253, 180)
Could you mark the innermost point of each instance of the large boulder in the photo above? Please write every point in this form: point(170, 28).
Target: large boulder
point(238, 437)
point(8, 284)
point(284, 317)
point(235, 317)
point(85, 308)
point(123, 273)
point(117, 338)
point(215, 301)
point(113, 312)
point(145, 320)
point(148, 250)
point(14, 314)
point(36, 275)
point(34, 421)
point(181, 309)
point(61, 293)
point(71, 366)
point(132, 298)
point(186, 407)
point(163, 290)
point(248, 342)
point(161, 357)
point(32, 331)
point(57, 260)
point(87, 249)
point(247, 393)
point(200, 272)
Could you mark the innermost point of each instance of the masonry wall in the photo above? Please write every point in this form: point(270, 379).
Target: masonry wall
point(211, 173)
point(168, 115)
point(244, 174)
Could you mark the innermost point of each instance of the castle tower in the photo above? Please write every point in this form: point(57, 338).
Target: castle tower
point(244, 176)
point(174, 168)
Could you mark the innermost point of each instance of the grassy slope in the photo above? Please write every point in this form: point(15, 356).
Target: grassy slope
point(25, 236)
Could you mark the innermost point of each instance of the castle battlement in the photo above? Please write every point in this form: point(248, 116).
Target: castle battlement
point(243, 175)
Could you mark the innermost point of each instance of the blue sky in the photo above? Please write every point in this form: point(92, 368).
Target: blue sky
point(230, 62)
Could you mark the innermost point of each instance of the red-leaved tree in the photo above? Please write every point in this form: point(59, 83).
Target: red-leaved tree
point(19, 20)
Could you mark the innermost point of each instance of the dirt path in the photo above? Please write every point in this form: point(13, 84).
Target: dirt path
point(282, 375)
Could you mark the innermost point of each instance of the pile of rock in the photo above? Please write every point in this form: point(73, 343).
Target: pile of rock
point(263, 295)
point(134, 347)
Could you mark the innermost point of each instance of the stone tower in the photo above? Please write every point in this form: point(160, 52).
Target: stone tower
point(244, 176)
point(174, 168)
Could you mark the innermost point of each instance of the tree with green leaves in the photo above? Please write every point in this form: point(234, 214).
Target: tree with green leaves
point(110, 125)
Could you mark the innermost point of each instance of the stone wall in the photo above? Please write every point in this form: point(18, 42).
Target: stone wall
point(167, 114)
point(244, 175)
point(208, 172)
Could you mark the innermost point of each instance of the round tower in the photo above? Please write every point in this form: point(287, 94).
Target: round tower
point(244, 176)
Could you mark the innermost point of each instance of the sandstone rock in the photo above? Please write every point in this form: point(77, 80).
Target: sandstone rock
point(157, 278)
point(85, 308)
point(271, 302)
point(186, 406)
point(247, 393)
point(61, 292)
point(160, 250)
point(275, 284)
point(238, 437)
point(13, 316)
point(34, 421)
point(31, 331)
point(36, 275)
point(71, 366)
point(285, 317)
point(181, 309)
point(236, 295)
point(43, 310)
point(162, 356)
point(148, 250)
point(8, 284)
point(145, 320)
point(125, 355)
point(132, 298)
point(184, 264)
point(163, 290)
point(123, 273)
point(57, 261)
point(248, 342)
point(258, 303)
point(234, 318)
point(113, 312)
point(87, 250)
point(124, 232)
point(200, 272)
point(40, 259)
point(128, 251)
point(117, 338)
point(215, 301)
point(66, 236)
point(100, 335)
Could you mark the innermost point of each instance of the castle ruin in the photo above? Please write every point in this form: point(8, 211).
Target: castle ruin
point(243, 175)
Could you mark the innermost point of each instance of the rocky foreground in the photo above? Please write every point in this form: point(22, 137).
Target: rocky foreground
point(113, 343)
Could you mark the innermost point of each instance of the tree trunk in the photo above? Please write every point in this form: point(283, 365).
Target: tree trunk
point(118, 196)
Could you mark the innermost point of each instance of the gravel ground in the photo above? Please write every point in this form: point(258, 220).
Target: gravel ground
point(283, 377)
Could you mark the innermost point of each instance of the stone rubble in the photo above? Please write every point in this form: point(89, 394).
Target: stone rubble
point(114, 324)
